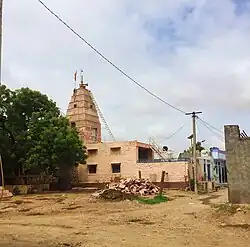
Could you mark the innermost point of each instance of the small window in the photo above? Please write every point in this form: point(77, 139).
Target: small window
point(92, 152)
point(73, 124)
point(74, 105)
point(115, 150)
point(92, 168)
point(91, 106)
point(116, 168)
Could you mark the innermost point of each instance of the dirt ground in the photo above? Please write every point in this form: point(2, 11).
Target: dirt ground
point(75, 220)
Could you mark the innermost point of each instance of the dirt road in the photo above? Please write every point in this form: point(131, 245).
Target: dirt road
point(73, 220)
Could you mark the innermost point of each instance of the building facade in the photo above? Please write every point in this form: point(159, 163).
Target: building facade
point(109, 161)
point(205, 169)
point(212, 166)
point(220, 165)
point(238, 165)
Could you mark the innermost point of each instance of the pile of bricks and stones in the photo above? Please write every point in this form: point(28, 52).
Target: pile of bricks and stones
point(127, 188)
point(5, 193)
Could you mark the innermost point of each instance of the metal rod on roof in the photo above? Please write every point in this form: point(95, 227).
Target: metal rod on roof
point(244, 133)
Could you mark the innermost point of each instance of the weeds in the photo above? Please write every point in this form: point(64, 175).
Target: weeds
point(151, 201)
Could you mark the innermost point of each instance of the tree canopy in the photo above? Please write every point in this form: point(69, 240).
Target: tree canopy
point(34, 136)
point(199, 148)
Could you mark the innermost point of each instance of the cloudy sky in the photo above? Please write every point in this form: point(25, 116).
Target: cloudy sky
point(193, 54)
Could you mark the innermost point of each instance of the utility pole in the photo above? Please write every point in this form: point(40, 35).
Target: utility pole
point(1, 36)
point(194, 116)
point(1, 28)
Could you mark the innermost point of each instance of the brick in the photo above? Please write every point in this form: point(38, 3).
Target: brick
point(238, 165)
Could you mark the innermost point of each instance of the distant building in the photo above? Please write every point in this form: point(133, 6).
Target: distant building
point(220, 166)
point(205, 168)
point(212, 166)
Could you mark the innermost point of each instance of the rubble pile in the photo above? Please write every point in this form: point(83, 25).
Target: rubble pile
point(140, 187)
point(6, 193)
point(112, 194)
point(127, 189)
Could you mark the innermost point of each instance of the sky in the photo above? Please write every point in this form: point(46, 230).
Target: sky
point(193, 54)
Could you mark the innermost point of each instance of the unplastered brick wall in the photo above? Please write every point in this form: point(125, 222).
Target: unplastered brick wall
point(238, 165)
point(175, 171)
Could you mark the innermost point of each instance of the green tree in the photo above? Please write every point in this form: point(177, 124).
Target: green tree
point(189, 151)
point(6, 139)
point(53, 144)
point(44, 141)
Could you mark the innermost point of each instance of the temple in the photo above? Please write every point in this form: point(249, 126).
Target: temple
point(83, 116)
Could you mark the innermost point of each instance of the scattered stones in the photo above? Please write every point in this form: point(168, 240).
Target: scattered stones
point(6, 193)
point(140, 187)
point(127, 189)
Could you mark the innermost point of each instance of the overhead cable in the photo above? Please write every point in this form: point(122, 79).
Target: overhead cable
point(109, 61)
point(116, 66)
point(215, 134)
point(211, 126)
point(173, 134)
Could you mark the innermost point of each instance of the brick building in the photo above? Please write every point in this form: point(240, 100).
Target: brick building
point(110, 160)
point(83, 115)
point(238, 164)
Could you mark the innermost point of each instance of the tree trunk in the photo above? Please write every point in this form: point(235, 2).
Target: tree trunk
point(65, 178)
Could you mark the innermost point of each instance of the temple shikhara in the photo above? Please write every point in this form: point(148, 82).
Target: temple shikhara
point(82, 114)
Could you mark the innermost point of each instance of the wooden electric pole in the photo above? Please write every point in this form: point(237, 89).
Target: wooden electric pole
point(194, 116)
point(1, 36)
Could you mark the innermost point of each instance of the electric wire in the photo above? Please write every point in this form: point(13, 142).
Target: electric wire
point(109, 61)
point(198, 131)
point(116, 66)
point(209, 128)
point(173, 134)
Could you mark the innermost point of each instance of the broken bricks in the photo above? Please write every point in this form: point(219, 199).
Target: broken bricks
point(127, 188)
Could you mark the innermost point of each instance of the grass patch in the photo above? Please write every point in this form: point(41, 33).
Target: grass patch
point(151, 201)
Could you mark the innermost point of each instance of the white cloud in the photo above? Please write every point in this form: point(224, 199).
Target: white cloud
point(201, 62)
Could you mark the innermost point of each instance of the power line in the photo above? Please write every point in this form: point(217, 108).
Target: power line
point(108, 61)
point(211, 126)
point(173, 134)
point(198, 131)
point(115, 66)
point(215, 134)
